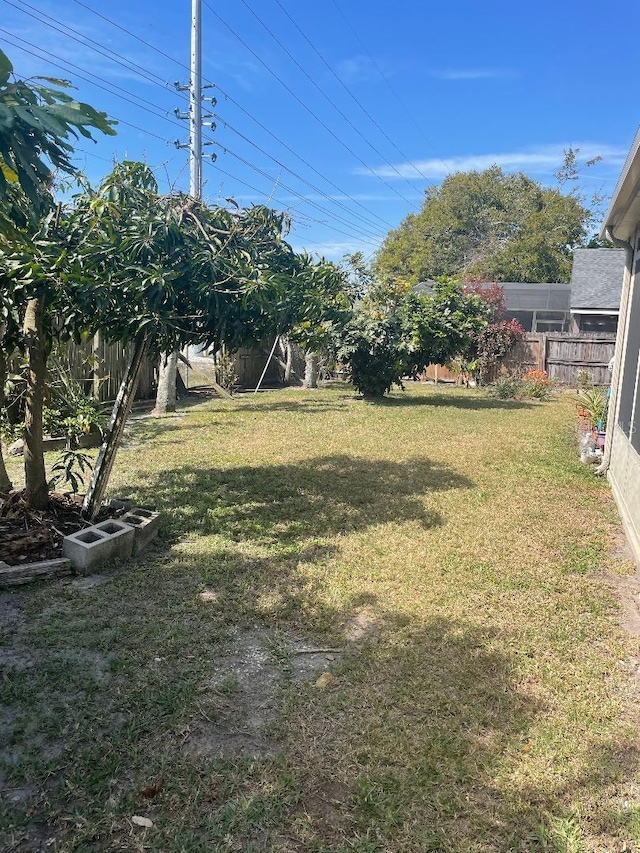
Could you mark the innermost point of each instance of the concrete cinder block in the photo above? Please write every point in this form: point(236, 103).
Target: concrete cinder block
point(99, 543)
point(146, 523)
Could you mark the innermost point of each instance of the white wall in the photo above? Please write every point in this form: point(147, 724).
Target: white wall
point(624, 419)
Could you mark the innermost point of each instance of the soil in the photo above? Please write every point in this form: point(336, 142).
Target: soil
point(28, 536)
point(241, 703)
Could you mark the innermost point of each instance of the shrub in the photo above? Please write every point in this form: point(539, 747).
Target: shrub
point(536, 384)
point(508, 388)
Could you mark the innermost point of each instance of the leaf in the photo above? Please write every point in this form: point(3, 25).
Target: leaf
point(139, 820)
point(9, 173)
point(152, 790)
point(324, 681)
point(6, 68)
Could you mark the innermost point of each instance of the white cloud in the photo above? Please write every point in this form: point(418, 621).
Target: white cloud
point(362, 69)
point(544, 159)
point(456, 74)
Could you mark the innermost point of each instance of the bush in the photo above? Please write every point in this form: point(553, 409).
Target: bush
point(536, 385)
point(508, 388)
point(373, 348)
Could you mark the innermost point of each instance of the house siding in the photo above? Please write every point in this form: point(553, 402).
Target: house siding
point(624, 419)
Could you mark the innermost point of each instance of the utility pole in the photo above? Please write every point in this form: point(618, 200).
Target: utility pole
point(195, 98)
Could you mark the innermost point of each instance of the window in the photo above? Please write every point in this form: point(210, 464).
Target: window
point(598, 323)
point(550, 321)
point(629, 406)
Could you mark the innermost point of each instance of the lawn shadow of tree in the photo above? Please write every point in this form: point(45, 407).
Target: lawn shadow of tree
point(286, 503)
point(435, 400)
point(439, 754)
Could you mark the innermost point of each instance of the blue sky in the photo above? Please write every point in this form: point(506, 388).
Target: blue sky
point(342, 112)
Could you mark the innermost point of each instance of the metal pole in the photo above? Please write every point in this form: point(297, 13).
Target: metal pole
point(264, 372)
point(195, 111)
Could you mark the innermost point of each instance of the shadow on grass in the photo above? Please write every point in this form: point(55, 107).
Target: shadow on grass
point(286, 503)
point(450, 401)
point(423, 743)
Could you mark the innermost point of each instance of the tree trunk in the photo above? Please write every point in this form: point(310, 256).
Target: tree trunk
point(288, 368)
point(166, 396)
point(37, 492)
point(113, 435)
point(5, 483)
point(310, 369)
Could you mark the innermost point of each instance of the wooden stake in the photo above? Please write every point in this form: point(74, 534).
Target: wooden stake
point(115, 430)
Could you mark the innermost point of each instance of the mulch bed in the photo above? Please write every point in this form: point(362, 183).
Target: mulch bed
point(27, 536)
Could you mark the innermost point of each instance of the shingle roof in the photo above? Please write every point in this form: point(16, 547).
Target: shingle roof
point(596, 279)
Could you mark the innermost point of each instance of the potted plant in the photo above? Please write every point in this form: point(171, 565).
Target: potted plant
point(592, 411)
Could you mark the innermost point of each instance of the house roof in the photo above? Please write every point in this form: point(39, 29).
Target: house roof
point(531, 296)
point(624, 212)
point(523, 296)
point(596, 279)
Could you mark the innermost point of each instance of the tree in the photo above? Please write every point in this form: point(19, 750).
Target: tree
point(489, 346)
point(36, 125)
point(382, 343)
point(497, 226)
point(318, 297)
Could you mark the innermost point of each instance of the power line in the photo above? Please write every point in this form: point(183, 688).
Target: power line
point(332, 103)
point(315, 204)
point(286, 168)
point(392, 89)
point(66, 68)
point(246, 112)
point(304, 105)
point(157, 110)
point(86, 41)
point(302, 160)
point(349, 91)
point(268, 195)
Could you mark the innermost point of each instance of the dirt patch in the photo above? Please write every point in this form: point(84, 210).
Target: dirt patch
point(628, 591)
point(241, 702)
point(360, 626)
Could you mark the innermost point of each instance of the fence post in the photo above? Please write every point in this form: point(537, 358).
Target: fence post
point(543, 353)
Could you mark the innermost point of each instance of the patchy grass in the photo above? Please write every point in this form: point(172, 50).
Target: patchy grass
point(442, 554)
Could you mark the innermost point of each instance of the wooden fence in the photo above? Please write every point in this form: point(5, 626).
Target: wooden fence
point(562, 356)
point(100, 368)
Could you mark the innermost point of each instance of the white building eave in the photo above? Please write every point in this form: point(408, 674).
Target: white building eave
point(624, 211)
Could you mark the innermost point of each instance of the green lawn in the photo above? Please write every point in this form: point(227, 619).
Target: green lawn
point(443, 555)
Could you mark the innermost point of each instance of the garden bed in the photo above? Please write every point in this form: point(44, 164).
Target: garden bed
point(28, 536)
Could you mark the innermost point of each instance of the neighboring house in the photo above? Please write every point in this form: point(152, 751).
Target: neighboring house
point(538, 307)
point(596, 286)
point(622, 452)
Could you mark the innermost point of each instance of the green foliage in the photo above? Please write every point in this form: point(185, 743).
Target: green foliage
point(36, 123)
point(225, 370)
point(594, 403)
point(536, 385)
point(441, 325)
point(584, 379)
point(486, 224)
point(375, 350)
point(381, 344)
point(507, 388)
point(71, 468)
